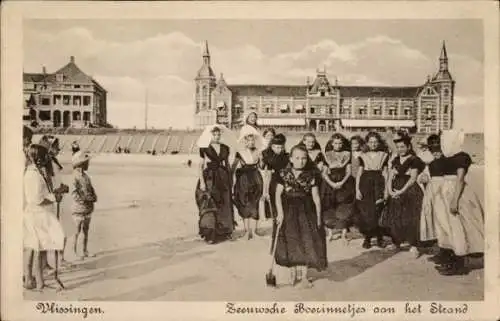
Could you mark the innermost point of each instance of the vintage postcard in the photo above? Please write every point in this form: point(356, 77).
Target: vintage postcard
point(237, 160)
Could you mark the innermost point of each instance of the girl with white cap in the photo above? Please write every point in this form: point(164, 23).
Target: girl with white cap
point(84, 197)
point(214, 187)
point(453, 215)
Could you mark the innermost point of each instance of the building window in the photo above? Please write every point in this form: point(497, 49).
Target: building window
point(197, 89)
point(204, 105)
point(77, 86)
point(446, 92)
point(86, 100)
point(66, 100)
point(86, 116)
point(322, 94)
point(313, 110)
point(429, 91)
point(76, 115)
point(77, 101)
point(44, 115)
point(376, 111)
point(445, 109)
point(46, 101)
point(59, 77)
point(407, 112)
point(204, 91)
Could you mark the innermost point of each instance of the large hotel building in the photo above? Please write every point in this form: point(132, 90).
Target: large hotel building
point(321, 105)
point(65, 98)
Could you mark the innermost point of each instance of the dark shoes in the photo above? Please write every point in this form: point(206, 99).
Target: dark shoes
point(454, 265)
point(367, 244)
point(451, 269)
point(380, 242)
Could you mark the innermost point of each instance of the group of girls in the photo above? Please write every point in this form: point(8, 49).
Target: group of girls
point(47, 222)
point(311, 194)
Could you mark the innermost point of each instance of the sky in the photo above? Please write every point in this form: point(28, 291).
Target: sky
point(128, 56)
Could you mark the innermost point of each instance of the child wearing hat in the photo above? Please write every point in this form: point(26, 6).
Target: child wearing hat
point(84, 197)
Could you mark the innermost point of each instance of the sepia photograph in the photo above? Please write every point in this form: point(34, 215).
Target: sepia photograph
point(255, 160)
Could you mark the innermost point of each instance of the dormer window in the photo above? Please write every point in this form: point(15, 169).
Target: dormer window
point(60, 77)
point(429, 91)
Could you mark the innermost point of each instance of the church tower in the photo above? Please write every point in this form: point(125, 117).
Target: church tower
point(445, 86)
point(205, 83)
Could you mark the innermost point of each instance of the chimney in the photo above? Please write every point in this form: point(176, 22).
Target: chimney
point(44, 70)
point(72, 59)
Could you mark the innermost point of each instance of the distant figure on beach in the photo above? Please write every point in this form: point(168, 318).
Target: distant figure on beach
point(75, 147)
point(189, 163)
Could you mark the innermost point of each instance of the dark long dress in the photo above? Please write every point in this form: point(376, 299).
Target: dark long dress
point(275, 163)
point(338, 205)
point(215, 204)
point(248, 189)
point(300, 241)
point(402, 215)
point(371, 186)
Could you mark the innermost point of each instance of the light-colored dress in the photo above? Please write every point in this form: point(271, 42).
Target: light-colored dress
point(462, 233)
point(42, 231)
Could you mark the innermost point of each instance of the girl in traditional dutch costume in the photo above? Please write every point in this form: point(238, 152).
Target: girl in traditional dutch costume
point(338, 189)
point(370, 188)
point(274, 159)
point(453, 215)
point(301, 241)
point(214, 187)
point(404, 205)
point(316, 157)
point(248, 187)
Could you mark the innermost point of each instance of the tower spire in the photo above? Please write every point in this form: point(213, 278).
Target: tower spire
point(443, 58)
point(206, 54)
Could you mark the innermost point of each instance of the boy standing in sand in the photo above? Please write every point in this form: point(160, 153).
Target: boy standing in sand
point(84, 198)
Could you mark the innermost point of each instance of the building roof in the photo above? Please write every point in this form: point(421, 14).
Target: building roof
point(443, 75)
point(380, 91)
point(71, 73)
point(268, 90)
point(206, 72)
point(345, 91)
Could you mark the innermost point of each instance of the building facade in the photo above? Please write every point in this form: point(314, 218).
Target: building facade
point(321, 105)
point(65, 98)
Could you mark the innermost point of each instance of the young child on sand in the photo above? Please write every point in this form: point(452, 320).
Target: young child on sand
point(301, 241)
point(84, 197)
point(42, 231)
point(338, 188)
point(370, 188)
point(248, 185)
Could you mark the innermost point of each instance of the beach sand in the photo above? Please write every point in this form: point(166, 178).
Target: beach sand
point(144, 232)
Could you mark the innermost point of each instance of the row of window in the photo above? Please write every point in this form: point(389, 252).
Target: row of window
point(45, 115)
point(66, 100)
point(31, 86)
